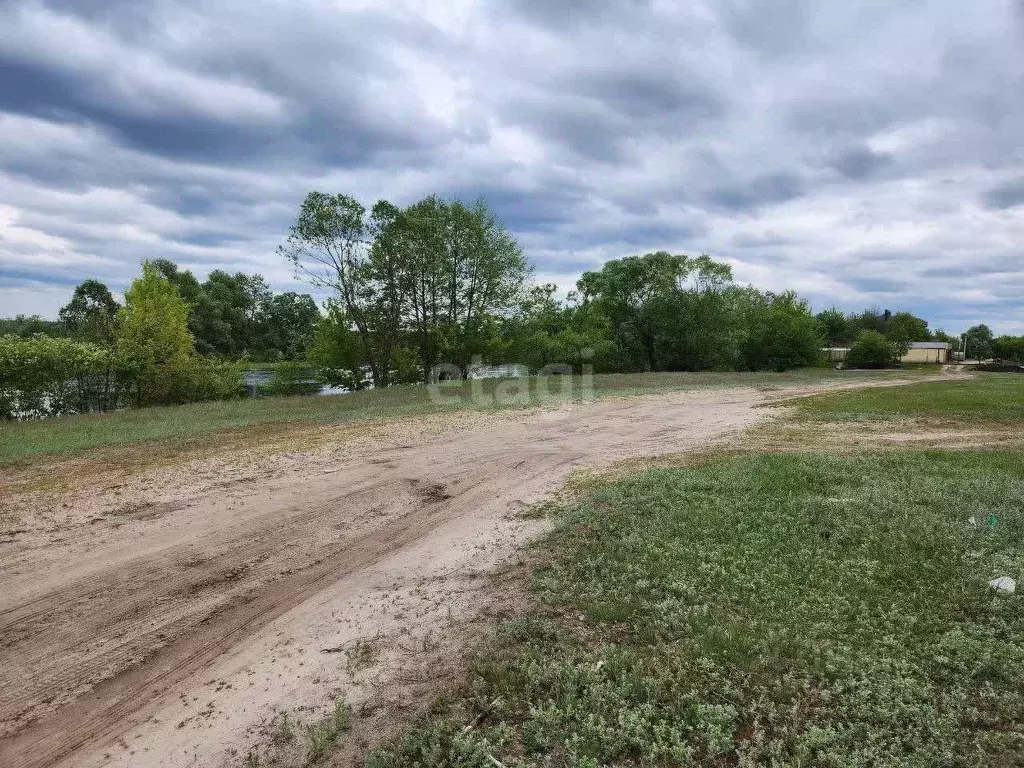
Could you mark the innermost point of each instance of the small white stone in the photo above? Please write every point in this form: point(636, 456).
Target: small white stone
point(1004, 585)
point(972, 520)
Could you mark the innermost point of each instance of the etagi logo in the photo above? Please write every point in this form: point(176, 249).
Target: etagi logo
point(511, 386)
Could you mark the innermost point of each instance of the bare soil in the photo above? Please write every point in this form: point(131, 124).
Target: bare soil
point(165, 617)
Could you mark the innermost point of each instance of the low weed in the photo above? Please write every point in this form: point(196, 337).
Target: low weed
point(324, 734)
point(284, 731)
point(360, 655)
point(292, 743)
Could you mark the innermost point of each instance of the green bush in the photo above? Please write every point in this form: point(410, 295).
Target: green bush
point(873, 350)
point(405, 366)
point(291, 378)
point(44, 376)
point(187, 379)
point(782, 335)
point(337, 354)
point(1009, 348)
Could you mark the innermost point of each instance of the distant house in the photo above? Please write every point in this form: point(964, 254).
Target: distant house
point(835, 354)
point(919, 352)
point(927, 352)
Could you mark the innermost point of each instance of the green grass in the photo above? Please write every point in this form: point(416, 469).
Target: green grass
point(302, 745)
point(798, 610)
point(990, 398)
point(324, 734)
point(23, 441)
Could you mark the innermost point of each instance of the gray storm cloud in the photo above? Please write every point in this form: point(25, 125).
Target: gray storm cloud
point(865, 154)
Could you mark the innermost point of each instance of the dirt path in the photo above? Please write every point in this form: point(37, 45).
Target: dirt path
point(167, 635)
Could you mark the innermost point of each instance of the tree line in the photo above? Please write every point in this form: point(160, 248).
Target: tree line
point(883, 337)
point(230, 316)
point(437, 283)
point(441, 282)
point(981, 344)
point(108, 356)
point(175, 340)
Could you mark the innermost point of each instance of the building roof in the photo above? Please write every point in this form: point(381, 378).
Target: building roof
point(929, 345)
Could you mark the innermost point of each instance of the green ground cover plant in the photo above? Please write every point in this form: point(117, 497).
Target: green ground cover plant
point(790, 610)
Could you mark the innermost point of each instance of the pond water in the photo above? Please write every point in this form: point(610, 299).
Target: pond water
point(254, 380)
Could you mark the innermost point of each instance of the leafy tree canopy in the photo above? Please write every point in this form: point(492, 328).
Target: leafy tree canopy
point(433, 275)
point(979, 342)
point(873, 350)
point(153, 323)
point(904, 328)
point(91, 312)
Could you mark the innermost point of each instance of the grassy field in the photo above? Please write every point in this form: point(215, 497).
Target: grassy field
point(993, 398)
point(21, 442)
point(804, 609)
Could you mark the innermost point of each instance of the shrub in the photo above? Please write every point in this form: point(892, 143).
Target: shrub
point(291, 378)
point(187, 379)
point(783, 334)
point(45, 376)
point(337, 354)
point(405, 366)
point(873, 350)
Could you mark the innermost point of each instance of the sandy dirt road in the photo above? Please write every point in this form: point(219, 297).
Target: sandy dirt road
point(165, 635)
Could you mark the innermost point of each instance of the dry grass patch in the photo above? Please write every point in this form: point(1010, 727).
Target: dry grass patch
point(920, 433)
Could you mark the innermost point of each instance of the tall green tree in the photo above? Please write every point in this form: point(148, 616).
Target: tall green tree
point(835, 326)
point(237, 315)
point(189, 288)
point(903, 328)
point(334, 245)
point(979, 341)
point(868, 320)
point(232, 311)
point(643, 295)
point(782, 334)
point(152, 329)
point(700, 329)
point(91, 312)
point(204, 321)
point(286, 326)
point(463, 266)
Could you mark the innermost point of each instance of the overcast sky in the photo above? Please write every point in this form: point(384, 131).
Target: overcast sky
point(862, 153)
